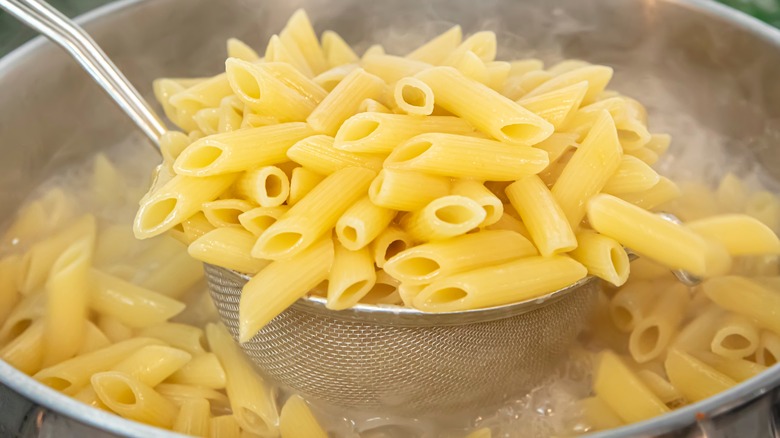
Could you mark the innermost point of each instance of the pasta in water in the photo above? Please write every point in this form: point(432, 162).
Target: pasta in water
point(443, 180)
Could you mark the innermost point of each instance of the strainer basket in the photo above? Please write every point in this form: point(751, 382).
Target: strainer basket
point(405, 360)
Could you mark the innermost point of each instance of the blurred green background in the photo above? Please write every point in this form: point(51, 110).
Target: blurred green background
point(12, 34)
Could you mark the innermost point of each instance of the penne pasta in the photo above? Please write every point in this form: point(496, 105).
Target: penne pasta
point(556, 106)
point(389, 243)
point(344, 101)
point(337, 51)
point(204, 371)
point(297, 421)
point(352, 276)
point(318, 154)
point(299, 32)
point(94, 339)
point(631, 176)
point(330, 79)
point(604, 257)
point(238, 49)
point(193, 417)
point(385, 290)
point(597, 77)
point(228, 247)
point(392, 68)
point(661, 193)
point(302, 182)
point(400, 189)
point(613, 380)
point(266, 186)
point(265, 94)
point(25, 352)
point(693, 378)
point(224, 426)
point(259, 219)
point(413, 97)
point(739, 234)
point(652, 334)
point(9, 291)
point(737, 369)
point(133, 400)
point(745, 297)
point(438, 48)
point(598, 414)
point(737, 338)
point(182, 336)
point(362, 223)
point(631, 304)
point(480, 194)
point(225, 212)
point(442, 218)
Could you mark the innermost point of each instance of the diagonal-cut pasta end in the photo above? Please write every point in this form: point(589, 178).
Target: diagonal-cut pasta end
point(200, 159)
point(276, 244)
point(442, 297)
point(155, 217)
point(528, 133)
point(408, 151)
point(357, 127)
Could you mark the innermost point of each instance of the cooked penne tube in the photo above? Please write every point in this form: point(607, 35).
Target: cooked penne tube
point(745, 297)
point(132, 305)
point(614, 380)
point(225, 212)
point(94, 339)
point(442, 218)
point(765, 207)
point(645, 155)
point(251, 400)
point(282, 283)
point(385, 290)
point(9, 292)
point(631, 176)
point(737, 369)
point(152, 364)
point(604, 257)
point(738, 337)
point(337, 51)
point(380, 133)
point(313, 216)
point(237, 151)
point(661, 388)
point(392, 68)
point(579, 182)
point(179, 394)
point(239, 49)
point(225, 426)
point(400, 189)
point(175, 276)
point(541, 214)
point(652, 334)
point(497, 74)
point(661, 193)
point(362, 223)
point(31, 308)
point(114, 329)
point(182, 336)
point(267, 186)
point(556, 106)
point(330, 79)
point(740, 234)
point(373, 106)
point(388, 243)
point(693, 378)
point(344, 101)
point(511, 223)
point(164, 89)
point(259, 219)
point(207, 120)
point(631, 304)
point(206, 93)
point(296, 80)
point(265, 94)
point(483, 44)
point(25, 352)
point(351, 277)
point(196, 226)
point(229, 248)
point(597, 77)
point(633, 135)
point(425, 263)
point(318, 154)
point(204, 371)
point(505, 120)
point(557, 145)
point(413, 97)
point(598, 414)
point(302, 182)
point(460, 156)
point(133, 400)
point(670, 244)
point(438, 48)
point(768, 352)
point(515, 281)
point(67, 301)
point(480, 194)
point(73, 374)
point(177, 200)
point(470, 65)
point(297, 421)
point(193, 417)
point(299, 31)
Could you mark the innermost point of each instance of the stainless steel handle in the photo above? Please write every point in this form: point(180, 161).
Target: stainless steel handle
point(40, 16)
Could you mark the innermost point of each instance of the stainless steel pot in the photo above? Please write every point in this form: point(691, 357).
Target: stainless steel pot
point(710, 77)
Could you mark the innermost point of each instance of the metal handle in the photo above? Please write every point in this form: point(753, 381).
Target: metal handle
point(43, 18)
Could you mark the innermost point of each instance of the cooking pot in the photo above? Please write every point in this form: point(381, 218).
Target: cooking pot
point(708, 75)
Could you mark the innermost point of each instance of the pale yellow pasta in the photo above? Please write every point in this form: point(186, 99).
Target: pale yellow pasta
point(250, 397)
point(598, 414)
point(655, 330)
point(204, 94)
point(67, 301)
point(257, 121)
point(131, 304)
point(193, 417)
point(229, 248)
point(768, 352)
point(297, 421)
point(438, 48)
point(480, 433)
point(381, 133)
point(661, 387)
point(693, 378)
point(739, 234)
point(287, 52)
point(556, 106)
point(497, 74)
point(204, 371)
point(164, 89)
point(374, 49)
point(731, 194)
point(328, 80)
point(362, 223)
point(9, 291)
point(388, 243)
point(400, 189)
point(631, 304)
point(485, 108)
point(314, 215)
point(133, 400)
point(519, 280)
point(661, 193)
point(413, 96)
point(392, 68)
point(207, 120)
point(179, 394)
point(541, 214)
point(645, 155)
point(408, 292)
point(299, 31)
point(425, 263)
point(94, 339)
point(591, 166)
point(302, 182)
point(631, 176)
point(108, 184)
point(230, 117)
point(73, 374)
point(737, 369)
point(650, 235)
point(225, 212)
point(237, 151)
point(259, 219)
point(25, 351)
point(344, 100)
point(442, 218)
point(265, 94)
point(483, 44)
point(604, 257)
point(337, 51)
point(470, 65)
point(282, 283)
point(373, 106)
point(174, 277)
point(296, 80)
point(40, 217)
point(38, 260)
point(114, 329)
point(351, 277)
point(765, 207)
point(480, 194)
point(736, 338)
point(266, 186)
point(597, 77)
point(172, 143)
point(623, 391)
point(510, 223)
point(30, 308)
point(318, 154)
point(177, 200)
point(385, 290)
point(182, 336)
point(745, 297)
point(633, 135)
point(224, 426)
point(152, 364)
point(460, 156)
point(519, 85)
point(238, 49)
